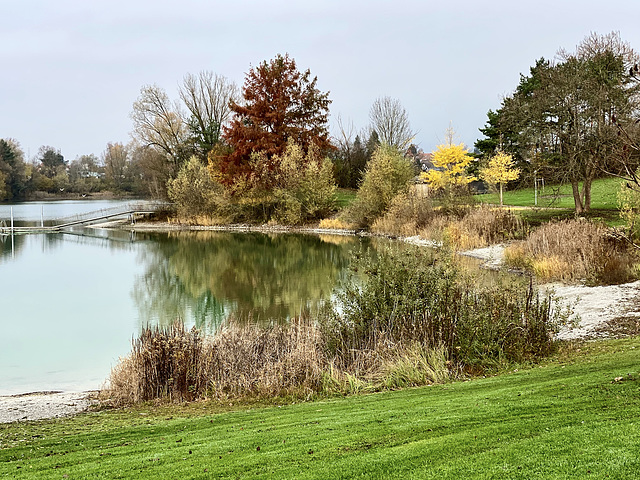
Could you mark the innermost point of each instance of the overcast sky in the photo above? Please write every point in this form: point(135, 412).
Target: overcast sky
point(71, 70)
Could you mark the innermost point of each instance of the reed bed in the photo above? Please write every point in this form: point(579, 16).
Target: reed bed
point(574, 251)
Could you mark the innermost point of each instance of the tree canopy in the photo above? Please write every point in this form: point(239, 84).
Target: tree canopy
point(561, 119)
point(280, 103)
point(500, 170)
point(451, 164)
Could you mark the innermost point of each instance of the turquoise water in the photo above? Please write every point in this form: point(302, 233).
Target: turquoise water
point(70, 303)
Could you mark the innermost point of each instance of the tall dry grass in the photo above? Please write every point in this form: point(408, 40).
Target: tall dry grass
point(239, 361)
point(574, 250)
point(461, 227)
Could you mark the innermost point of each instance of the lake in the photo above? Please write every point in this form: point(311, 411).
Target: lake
point(70, 303)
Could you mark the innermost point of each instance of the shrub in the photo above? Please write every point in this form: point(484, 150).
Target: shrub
point(410, 295)
point(195, 193)
point(408, 213)
point(386, 175)
point(307, 189)
point(291, 188)
point(629, 203)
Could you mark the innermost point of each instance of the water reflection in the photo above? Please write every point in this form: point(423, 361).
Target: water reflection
point(207, 276)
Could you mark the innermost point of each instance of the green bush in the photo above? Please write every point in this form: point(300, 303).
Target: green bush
point(194, 192)
point(307, 188)
point(410, 295)
point(387, 174)
point(292, 188)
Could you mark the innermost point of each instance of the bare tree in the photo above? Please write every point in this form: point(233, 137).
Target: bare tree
point(158, 123)
point(115, 159)
point(390, 121)
point(207, 97)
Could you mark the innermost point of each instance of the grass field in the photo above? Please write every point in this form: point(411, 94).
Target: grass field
point(344, 197)
point(604, 193)
point(575, 417)
point(556, 202)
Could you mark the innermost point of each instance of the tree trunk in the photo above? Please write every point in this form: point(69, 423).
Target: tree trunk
point(586, 192)
point(577, 197)
point(500, 193)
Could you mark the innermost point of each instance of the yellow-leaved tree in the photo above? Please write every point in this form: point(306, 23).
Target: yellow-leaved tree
point(451, 163)
point(500, 170)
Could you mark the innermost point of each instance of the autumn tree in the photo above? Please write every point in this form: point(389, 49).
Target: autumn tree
point(115, 159)
point(500, 170)
point(390, 121)
point(451, 164)
point(280, 104)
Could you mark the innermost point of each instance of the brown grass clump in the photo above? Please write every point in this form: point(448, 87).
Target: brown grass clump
point(462, 227)
point(240, 361)
point(335, 224)
point(407, 215)
point(479, 227)
point(573, 250)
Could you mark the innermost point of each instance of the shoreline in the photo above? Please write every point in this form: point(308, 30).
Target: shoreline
point(45, 405)
point(599, 310)
point(596, 309)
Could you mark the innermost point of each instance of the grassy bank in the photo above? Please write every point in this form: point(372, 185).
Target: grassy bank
point(603, 196)
point(556, 202)
point(575, 417)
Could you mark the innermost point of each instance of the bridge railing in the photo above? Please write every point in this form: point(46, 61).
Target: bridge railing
point(111, 212)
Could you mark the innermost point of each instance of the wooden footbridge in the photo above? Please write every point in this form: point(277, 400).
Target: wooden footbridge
point(130, 211)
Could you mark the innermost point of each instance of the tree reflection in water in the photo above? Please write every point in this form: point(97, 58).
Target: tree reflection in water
point(205, 277)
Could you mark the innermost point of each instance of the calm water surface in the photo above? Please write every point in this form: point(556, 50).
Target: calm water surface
point(71, 303)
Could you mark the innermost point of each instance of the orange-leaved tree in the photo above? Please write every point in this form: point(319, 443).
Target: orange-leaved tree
point(279, 104)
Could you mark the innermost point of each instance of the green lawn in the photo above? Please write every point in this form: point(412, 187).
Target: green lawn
point(344, 197)
point(604, 193)
point(567, 419)
point(556, 202)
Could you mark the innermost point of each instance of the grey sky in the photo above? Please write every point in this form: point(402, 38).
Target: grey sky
point(71, 70)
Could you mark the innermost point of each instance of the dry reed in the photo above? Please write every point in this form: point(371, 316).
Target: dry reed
point(462, 228)
point(573, 250)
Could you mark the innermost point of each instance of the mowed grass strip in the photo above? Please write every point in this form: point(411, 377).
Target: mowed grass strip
point(604, 196)
point(576, 418)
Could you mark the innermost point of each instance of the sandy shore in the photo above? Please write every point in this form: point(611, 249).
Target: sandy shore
point(40, 405)
point(594, 308)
